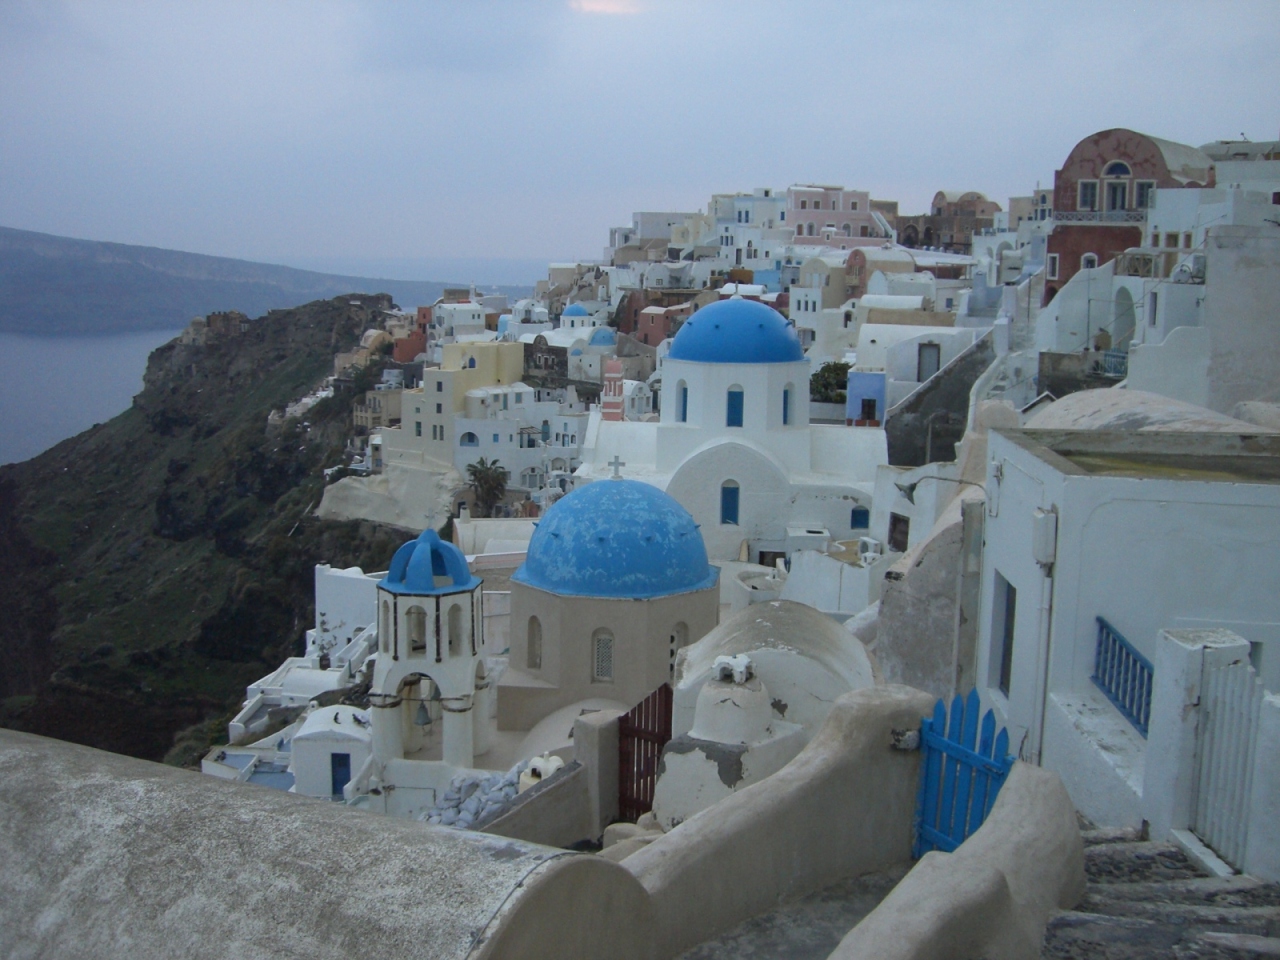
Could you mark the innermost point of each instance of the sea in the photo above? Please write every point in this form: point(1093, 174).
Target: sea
point(52, 388)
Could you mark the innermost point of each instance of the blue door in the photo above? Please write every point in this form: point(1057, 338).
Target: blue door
point(340, 766)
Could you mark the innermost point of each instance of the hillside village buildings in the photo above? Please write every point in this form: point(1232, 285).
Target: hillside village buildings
point(1050, 483)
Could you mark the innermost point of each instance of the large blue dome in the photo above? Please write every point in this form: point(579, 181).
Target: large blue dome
point(428, 565)
point(737, 331)
point(575, 310)
point(617, 538)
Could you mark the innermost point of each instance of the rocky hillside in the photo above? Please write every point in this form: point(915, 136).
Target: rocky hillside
point(153, 565)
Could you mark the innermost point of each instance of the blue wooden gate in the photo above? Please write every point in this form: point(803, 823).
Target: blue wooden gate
point(964, 765)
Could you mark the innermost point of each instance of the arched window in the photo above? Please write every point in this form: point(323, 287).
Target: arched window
point(602, 656)
point(455, 630)
point(1117, 168)
point(1089, 261)
point(682, 399)
point(733, 407)
point(468, 439)
point(471, 362)
point(533, 653)
point(729, 502)
point(786, 404)
point(384, 628)
point(415, 625)
point(848, 230)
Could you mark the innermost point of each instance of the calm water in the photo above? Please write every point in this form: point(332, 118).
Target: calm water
point(55, 387)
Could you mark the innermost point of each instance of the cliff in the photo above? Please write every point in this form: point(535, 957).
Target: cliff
point(153, 565)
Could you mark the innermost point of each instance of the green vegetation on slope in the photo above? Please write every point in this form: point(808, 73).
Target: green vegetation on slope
point(154, 565)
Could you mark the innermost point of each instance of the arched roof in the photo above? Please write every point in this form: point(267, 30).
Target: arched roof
point(737, 331)
point(1112, 409)
point(428, 565)
point(617, 538)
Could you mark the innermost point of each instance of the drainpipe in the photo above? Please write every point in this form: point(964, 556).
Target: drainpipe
point(1044, 548)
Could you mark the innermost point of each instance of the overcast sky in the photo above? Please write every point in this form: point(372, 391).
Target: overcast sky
point(407, 137)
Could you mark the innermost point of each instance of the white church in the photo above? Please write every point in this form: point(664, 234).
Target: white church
point(734, 444)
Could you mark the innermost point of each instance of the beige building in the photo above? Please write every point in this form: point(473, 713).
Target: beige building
point(615, 583)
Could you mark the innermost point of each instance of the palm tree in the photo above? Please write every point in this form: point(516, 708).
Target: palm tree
point(489, 481)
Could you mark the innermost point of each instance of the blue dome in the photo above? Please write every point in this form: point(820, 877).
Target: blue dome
point(575, 310)
point(617, 538)
point(419, 564)
point(737, 331)
point(603, 337)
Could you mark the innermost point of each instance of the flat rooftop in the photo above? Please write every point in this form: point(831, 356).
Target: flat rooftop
point(1167, 455)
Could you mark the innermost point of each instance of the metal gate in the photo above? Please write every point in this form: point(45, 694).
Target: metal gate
point(642, 733)
point(964, 765)
point(1230, 702)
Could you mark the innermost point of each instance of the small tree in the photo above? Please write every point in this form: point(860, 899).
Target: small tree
point(829, 383)
point(489, 481)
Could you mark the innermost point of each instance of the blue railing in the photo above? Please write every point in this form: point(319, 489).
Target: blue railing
point(964, 765)
point(1124, 675)
point(1115, 363)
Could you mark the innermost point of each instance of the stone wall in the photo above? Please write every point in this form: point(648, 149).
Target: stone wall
point(925, 427)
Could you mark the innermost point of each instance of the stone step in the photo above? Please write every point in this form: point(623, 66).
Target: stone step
point(1260, 921)
point(1235, 891)
point(1098, 835)
point(1085, 936)
point(1137, 862)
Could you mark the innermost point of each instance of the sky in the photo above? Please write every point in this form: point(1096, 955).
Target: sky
point(491, 136)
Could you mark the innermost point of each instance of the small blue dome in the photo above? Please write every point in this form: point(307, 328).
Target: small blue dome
point(575, 310)
point(617, 538)
point(737, 331)
point(419, 564)
point(603, 337)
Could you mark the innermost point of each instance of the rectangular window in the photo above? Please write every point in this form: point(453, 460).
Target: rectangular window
point(859, 518)
point(853, 204)
point(1088, 195)
point(786, 407)
point(1053, 266)
point(1151, 313)
point(729, 503)
point(684, 404)
point(1117, 196)
point(1003, 619)
point(439, 408)
point(1146, 194)
point(439, 386)
point(495, 438)
point(868, 409)
point(1171, 240)
point(1186, 241)
point(417, 428)
point(733, 415)
point(899, 532)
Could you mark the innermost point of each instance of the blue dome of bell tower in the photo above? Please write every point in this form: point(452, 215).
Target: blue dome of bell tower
point(737, 331)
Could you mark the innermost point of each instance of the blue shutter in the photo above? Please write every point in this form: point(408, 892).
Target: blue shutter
point(729, 504)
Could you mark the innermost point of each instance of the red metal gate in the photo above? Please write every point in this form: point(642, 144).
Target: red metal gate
point(642, 733)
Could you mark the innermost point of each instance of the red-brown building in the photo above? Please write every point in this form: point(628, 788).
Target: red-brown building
point(1101, 196)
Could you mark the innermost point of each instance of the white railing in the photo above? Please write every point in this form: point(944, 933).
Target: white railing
point(1230, 703)
point(1100, 216)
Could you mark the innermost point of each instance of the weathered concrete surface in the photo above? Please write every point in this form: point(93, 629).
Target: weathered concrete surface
point(925, 427)
point(924, 637)
point(106, 856)
point(994, 895)
point(1129, 409)
point(840, 809)
point(805, 929)
point(556, 812)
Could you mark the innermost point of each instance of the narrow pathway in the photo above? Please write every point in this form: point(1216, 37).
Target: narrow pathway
point(1148, 900)
point(805, 929)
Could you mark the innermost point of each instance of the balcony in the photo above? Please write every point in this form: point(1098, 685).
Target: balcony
point(1100, 216)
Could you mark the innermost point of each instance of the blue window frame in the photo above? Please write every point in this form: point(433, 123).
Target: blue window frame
point(729, 502)
point(733, 415)
point(468, 439)
point(859, 518)
point(684, 404)
point(786, 407)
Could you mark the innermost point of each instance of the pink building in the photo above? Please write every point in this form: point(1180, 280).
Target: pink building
point(832, 216)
